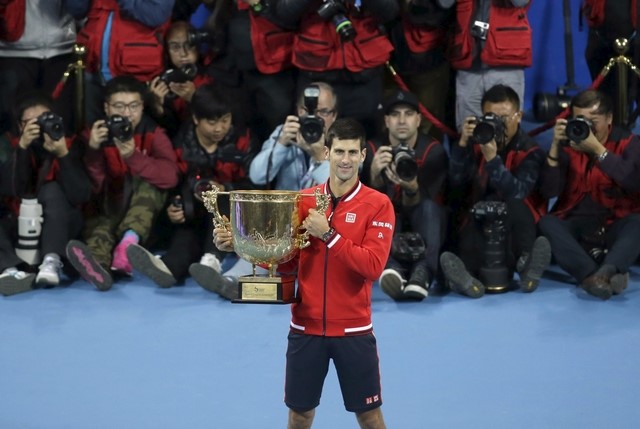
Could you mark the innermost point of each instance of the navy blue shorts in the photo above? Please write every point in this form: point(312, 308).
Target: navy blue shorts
point(356, 362)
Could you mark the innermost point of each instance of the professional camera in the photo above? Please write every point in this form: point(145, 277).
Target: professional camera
point(548, 106)
point(407, 246)
point(179, 75)
point(494, 272)
point(120, 128)
point(311, 126)
point(578, 128)
point(404, 161)
point(334, 11)
point(489, 127)
point(198, 37)
point(51, 124)
point(29, 229)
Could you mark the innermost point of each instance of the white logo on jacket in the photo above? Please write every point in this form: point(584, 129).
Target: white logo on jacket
point(350, 218)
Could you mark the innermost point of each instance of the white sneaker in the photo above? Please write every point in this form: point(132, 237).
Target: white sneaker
point(211, 261)
point(13, 281)
point(49, 274)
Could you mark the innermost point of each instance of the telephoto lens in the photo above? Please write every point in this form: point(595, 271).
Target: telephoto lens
point(29, 229)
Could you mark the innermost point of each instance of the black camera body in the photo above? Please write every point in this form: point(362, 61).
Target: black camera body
point(51, 125)
point(311, 125)
point(405, 162)
point(490, 211)
point(494, 272)
point(120, 127)
point(199, 37)
point(407, 246)
point(489, 127)
point(334, 11)
point(183, 74)
point(578, 128)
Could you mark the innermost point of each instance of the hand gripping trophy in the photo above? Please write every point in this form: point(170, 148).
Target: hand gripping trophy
point(266, 231)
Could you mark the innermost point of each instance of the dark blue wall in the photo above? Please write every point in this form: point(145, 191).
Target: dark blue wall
point(549, 71)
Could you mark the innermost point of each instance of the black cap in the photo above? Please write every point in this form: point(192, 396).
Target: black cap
point(400, 97)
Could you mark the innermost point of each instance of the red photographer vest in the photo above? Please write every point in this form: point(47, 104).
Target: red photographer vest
point(422, 39)
point(12, 20)
point(134, 48)
point(508, 41)
point(585, 179)
point(594, 11)
point(317, 47)
point(272, 45)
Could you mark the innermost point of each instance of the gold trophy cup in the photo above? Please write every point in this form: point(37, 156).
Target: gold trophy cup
point(265, 226)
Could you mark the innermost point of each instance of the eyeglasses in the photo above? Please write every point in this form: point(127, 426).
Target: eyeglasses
point(179, 47)
point(121, 107)
point(508, 118)
point(323, 113)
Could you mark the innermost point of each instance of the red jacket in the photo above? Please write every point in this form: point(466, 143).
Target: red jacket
point(317, 47)
point(422, 38)
point(12, 13)
point(508, 41)
point(134, 48)
point(582, 181)
point(334, 278)
point(594, 12)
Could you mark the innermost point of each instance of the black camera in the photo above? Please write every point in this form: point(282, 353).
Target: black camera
point(199, 37)
point(51, 125)
point(578, 128)
point(494, 272)
point(489, 127)
point(311, 126)
point(480, 30)
point(179, 75)
point(120, 127)
point(334, 11)
point(405, 162)
point(407, 246)
point(548, 106)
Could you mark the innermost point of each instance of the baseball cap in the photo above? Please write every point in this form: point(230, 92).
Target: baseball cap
point(400, 97)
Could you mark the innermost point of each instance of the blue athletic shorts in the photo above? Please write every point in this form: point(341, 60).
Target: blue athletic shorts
point(356, 362)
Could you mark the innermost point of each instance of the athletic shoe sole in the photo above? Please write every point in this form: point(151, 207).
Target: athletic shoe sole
point(89, 269)
point(391, 283)
point(10, 285)
point(619, 283)
point(416, 292)
point(152, 267)
point(459, 279)
point(540, 260)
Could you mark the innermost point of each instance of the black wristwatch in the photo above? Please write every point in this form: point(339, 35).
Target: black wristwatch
point(327, 235)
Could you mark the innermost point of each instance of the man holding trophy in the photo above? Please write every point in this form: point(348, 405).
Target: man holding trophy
point(348, 248)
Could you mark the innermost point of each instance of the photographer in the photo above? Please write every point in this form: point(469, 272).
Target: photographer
point(411, 168)
point(132, 165)
point(185, 71)
point(495, 163)
point(46, 169)
point(211, 152)
point(593, 169)
point(342, 42)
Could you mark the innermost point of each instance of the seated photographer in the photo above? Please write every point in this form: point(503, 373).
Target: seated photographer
point(293, 158)
point(493, 170)
point(211, 152)
point(594, 170)
point(132, 165)
point(411, 168)
point(46, 175)
point(173, 89)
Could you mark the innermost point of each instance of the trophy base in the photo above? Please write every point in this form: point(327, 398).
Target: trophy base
point(266, 290)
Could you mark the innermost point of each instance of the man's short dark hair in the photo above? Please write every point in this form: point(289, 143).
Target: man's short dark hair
point(591, 97)
point(28, 100)
point(501, 93)
point(209, 102)
point(124, 84)
point(346, 129)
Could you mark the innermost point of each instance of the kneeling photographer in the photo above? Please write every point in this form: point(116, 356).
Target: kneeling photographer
point(47, 185)
point(411, 168)
point(212, 151)
point(494, 169)
point(592, 169)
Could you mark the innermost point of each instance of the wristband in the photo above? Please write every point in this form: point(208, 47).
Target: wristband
point(327, 235)
point(603, 156)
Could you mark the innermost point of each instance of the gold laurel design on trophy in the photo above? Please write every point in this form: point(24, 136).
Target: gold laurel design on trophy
point(210, 200)
point(322, 204)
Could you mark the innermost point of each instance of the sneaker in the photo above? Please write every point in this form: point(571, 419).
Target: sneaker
point(49, 271)
point(536, 263)
point(211, 261)
point(392, 283)
point(619, 283)
point(120, 262)
point(89, 269)
point(417, 287)
point(13, 281)
point(211, 280)
point(150, 265)
point(458, 277)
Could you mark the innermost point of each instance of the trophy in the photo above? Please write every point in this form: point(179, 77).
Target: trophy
point(265, 226)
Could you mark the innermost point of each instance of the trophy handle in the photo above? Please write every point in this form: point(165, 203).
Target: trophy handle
point(322, 204)
point(210, 200)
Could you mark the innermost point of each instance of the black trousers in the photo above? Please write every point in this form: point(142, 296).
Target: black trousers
point(8, 235)
point(62, 221)
point(566, 236)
